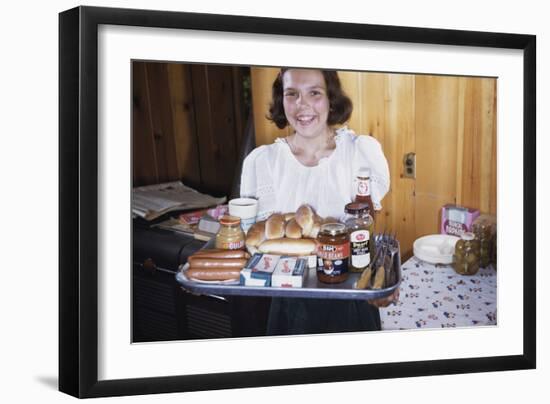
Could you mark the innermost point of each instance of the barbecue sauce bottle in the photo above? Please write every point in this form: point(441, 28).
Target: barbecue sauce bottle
point(363, 189)
point(360, 228)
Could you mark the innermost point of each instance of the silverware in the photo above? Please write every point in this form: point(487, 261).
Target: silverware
point(387, 244)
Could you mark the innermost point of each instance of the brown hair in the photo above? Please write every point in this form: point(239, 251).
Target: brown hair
point(340, 104)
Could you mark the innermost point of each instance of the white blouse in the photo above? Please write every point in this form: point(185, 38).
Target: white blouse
point(273, 175)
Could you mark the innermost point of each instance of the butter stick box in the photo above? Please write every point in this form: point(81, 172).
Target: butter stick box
point(289, 272)
point(262, 266)
point(246, 279)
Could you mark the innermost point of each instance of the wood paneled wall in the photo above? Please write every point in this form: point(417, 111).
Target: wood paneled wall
point(449, 122)
point(188, 124)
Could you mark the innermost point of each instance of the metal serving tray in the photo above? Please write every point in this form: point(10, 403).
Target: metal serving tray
point(312, 288)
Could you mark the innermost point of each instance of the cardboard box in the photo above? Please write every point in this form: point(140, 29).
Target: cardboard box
point(262, 266)
point(246, 279)
point(457, 220)
point(289, 272)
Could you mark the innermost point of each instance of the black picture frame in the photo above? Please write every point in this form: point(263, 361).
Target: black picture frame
point(78, 200)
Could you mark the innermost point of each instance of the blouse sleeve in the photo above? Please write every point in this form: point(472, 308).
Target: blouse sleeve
point(368, 153)
point(257, 181)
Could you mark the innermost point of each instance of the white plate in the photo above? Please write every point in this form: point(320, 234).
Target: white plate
point(435, 248)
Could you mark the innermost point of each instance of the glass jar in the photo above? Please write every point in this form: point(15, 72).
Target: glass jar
point(332, 253)
point(466, 256)
point(484, 228)
point(362, 194)
point(359, 224)
point(230, 236)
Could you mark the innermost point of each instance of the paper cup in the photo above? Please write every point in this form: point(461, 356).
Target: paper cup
point(246, 209)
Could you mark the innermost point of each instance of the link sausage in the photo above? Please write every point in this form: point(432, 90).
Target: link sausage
point(234, 263)
point(219, 253)
point(213, 274)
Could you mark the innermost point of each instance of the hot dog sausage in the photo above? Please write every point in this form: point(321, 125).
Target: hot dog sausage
point(219, 253)
point(213, 274)
point(234, 263)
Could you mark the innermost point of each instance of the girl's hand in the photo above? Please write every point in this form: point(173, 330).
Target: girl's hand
point(386, 301)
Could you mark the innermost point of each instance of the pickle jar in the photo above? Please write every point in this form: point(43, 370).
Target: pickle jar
point(332, 253)
point(230, 236)
point(484, 230)
point(359, 224)
point(466, 255)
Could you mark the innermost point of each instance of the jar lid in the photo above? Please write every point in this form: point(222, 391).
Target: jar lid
point(227, 220)
point(333, 228)
point(468, 236)
point(357, 207)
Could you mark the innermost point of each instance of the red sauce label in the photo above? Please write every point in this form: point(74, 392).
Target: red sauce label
point(333, 252)
point(332, 260)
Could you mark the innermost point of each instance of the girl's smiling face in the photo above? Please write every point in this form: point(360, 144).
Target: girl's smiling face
point(305, 101)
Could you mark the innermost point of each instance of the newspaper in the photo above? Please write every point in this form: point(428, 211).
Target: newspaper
point(152, 201)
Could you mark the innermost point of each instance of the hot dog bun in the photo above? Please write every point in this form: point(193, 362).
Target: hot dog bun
point(275, 226)
point(293, 229)
point(289, 216)
point(304, 217)
point(288, 246)
point(255, 235)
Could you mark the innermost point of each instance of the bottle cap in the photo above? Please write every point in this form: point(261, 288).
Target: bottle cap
point(333, 228)
point(467, 236)
point(357, 207)
point(227, 220)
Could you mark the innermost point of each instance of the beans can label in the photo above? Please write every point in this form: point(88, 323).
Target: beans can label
point(333, 259)
point(360, 248)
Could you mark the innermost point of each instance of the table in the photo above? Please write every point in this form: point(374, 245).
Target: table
point(435, 296)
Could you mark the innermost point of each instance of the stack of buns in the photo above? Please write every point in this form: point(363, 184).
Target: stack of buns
point(286, 234)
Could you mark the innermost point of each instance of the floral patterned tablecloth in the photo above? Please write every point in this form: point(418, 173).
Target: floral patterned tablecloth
point(435, 296)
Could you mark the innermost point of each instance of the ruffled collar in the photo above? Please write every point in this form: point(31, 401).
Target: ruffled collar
point(339, 135)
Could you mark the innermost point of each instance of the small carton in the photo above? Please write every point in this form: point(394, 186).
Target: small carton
point(246, 279)
point(289, 273)
point(457, 220)
point(262, 266)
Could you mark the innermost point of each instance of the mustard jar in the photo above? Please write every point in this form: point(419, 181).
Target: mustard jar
point(466, 255)
point(230, 236)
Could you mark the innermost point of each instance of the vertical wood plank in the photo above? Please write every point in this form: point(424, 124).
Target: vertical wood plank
point(399, 139)
point(237, 74)
point(212, 89)
point(185, 141)
point(144, 166)
point(351, 84)
point(472, 144)
point(489, 162)
point(436, 138)
point(461, 102)
point(479, 166)
point(493, 186)
point(161, 117)
point(261, 81)
point(372, 110)
point(373, 104)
